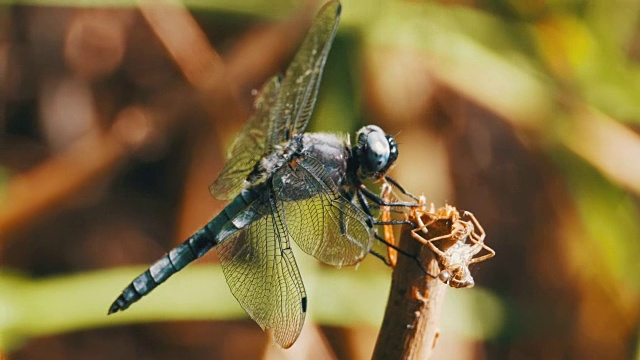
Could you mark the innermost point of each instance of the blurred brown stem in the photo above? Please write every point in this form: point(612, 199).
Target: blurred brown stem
point(410, 325)
point(43, 188)
point(60, 178)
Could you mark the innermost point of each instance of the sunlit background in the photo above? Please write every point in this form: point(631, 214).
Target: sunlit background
point(115, 116)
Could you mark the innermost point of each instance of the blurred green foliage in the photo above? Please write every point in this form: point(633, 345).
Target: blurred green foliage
point(43, 307)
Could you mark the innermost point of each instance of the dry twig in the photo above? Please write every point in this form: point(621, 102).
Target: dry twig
point(410, 326)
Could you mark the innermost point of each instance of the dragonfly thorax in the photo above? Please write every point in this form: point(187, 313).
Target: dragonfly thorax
point(280, 156)
point(375, 151)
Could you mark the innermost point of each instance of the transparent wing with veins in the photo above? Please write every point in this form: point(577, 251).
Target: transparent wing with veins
point(297, 96)
point(324, 224)
point(262, 273)
point(249, 146)
point(283, 108)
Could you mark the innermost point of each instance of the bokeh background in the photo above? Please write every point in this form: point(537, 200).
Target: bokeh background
point(115, 117)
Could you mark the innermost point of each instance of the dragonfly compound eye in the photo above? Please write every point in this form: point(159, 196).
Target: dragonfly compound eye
point(375, 151)
point(393, 153)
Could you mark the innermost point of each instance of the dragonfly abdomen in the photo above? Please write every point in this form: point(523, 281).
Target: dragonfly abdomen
point(203, 240)
point(179, 257)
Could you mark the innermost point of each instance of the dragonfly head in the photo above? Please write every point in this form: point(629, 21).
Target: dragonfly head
point(376, 152)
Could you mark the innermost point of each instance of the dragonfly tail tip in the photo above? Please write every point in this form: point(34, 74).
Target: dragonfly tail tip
point(114, 308)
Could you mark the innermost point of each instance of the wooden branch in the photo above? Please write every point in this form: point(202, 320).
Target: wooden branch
point(410, 326)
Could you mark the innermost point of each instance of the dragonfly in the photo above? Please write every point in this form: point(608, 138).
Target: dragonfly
point(283, 185)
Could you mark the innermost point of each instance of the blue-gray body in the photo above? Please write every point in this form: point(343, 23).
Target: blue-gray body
point(330, 150)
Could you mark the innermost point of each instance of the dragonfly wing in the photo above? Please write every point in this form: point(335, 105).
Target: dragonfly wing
point(324, 224)
point(248, 147)
point(284, 106)
point(263, 276)
point(297, 96)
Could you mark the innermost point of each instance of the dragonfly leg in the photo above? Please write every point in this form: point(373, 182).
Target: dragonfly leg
point(412, 257)
point(364, 204)
point(367, 209)
point(384, 260)
point(380, 201)
point(399, 187)
point(395, 222)
point(362, 200)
